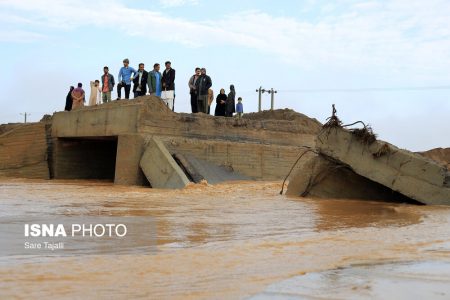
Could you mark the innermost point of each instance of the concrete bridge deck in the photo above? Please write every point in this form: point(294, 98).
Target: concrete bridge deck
point(108, 141)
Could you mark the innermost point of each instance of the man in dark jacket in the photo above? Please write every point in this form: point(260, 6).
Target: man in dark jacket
point(168, 85)
point(107, 85)
point(140, 82)
point(193, 90)
point(202, 86)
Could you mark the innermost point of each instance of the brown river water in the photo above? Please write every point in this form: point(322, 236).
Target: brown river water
point(239, 240)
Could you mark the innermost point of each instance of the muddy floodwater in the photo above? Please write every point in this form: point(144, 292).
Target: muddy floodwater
point(239, 240)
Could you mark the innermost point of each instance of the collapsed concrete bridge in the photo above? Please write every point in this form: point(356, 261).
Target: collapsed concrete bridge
point(354, 166)
point(142, 142)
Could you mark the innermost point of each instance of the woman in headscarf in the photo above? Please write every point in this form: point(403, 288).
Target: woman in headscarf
point(221, 104)
point(68, 106)
point(230, 105)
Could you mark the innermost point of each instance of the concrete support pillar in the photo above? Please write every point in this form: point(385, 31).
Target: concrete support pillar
point(129, 151)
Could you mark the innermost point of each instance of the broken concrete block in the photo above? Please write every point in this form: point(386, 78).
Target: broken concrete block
point(400, 170)
point(160, 168)
point(322, 178)
point(200, 169)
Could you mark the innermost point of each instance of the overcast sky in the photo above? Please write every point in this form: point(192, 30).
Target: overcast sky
point(386, 63)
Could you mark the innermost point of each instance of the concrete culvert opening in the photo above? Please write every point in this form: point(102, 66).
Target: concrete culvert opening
point(85, 158)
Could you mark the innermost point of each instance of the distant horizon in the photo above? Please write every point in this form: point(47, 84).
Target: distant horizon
point(383, 62)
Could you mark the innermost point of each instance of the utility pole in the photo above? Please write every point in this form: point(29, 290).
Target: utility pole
point(272, 96)
point(272, 93)
point(25, 115)
point(260, 91)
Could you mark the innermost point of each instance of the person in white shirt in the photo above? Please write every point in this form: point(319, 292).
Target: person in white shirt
point(168, 86)
point(96, 92)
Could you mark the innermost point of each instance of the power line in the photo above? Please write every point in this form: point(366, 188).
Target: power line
point(368, 89)
point(361, 90)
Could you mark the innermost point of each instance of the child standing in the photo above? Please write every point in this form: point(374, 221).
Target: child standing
point(239, 108)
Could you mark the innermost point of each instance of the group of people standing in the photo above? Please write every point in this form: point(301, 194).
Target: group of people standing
point(202, 96)
point(155, 83)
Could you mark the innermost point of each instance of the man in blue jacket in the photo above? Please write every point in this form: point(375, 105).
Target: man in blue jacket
point(125, 77)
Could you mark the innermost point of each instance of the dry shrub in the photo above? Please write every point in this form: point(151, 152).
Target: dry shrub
point(365, 135)
point(332, 122)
